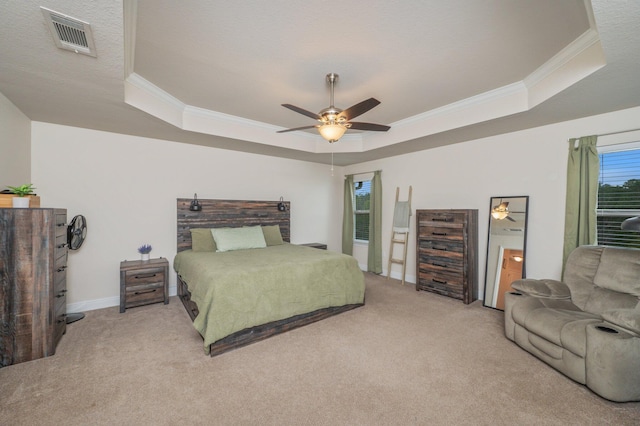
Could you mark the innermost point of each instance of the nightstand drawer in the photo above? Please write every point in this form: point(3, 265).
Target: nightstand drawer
point(144, 276)
point(144, 294)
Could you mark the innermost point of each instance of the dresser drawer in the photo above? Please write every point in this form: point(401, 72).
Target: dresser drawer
point(144, 276)
point(61, 225)
point(434, 260)
point(60, 295)
point(59, 324)
point(448, 232)
point(61, 242)
point(442, 218)
point(60, 259)
point(59, 280)
point(441, 282)
point(444, 248)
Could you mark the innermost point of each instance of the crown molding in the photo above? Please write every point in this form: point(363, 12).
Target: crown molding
point(576, 61)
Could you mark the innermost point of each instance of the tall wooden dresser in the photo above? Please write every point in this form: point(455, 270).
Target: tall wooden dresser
point(446, 253)
point(33, 303)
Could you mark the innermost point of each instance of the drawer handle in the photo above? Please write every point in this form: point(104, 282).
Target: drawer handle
point(438, 281)
point(439, 248)
point(439, 233)
point(137, 277)
point(63, 318)
point(61, 245)
point(62, 268)
point(442, 265)
point(442, 219)
point(144, 292)
point(61, 294)
point(61, 224)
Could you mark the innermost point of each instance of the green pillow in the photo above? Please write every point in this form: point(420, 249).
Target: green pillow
point(202, 240)
point(272, 235)
point(247, 237)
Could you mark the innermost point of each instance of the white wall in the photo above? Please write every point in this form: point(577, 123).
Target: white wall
point(127, 186)
point(15, 145)
point(467, 175)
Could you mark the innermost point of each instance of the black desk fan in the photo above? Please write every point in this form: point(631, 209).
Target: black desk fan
point(76, 233)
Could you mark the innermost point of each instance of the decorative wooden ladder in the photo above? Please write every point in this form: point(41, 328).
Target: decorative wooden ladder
point(400, 235)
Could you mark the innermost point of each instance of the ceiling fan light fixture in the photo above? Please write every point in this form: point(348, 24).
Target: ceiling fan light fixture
point(332, 132)
point(499, 214)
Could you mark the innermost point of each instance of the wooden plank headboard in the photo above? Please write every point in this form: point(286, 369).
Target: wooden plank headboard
point(231, 214)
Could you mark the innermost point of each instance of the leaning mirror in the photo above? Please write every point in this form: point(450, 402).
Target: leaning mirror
point(506, 247)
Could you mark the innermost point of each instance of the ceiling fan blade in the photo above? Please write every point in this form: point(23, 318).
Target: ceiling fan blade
point(359, 109)
point(297, 128)
point(302, 111)
point(511, 219)
point(369, 126)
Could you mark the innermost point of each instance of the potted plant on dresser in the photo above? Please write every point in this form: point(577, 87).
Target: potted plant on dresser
point(144, 251)
point(21, 196)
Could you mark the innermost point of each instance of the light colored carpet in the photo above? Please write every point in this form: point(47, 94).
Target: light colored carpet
point(405, 358)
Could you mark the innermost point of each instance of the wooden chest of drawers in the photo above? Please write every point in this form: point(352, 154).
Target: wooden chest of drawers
point(446, 253)
point(143, 282)
point(33, 283)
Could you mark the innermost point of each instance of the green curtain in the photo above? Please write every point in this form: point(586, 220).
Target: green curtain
point(347, 216)
point(374, 258)
point(582, 193)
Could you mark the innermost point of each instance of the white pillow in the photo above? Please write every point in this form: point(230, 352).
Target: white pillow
point(247, 237)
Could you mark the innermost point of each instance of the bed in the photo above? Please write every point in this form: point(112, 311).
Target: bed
point(238, 297)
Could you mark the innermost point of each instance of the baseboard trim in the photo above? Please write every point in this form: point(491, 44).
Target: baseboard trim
point(395, 275)
point(106, 302)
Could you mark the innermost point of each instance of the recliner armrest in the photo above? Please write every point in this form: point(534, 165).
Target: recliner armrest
point(628, 319)
point(545, 288)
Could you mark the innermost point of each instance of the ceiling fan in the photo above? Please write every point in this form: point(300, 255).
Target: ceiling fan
point(501, 211)
point(334, 121)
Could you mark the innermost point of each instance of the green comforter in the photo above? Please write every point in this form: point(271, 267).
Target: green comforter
point(244, 288)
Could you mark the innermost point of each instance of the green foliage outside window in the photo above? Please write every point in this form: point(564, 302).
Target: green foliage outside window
point(362, 196)
point(618, 191)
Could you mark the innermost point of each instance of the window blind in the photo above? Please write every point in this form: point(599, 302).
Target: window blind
point(618, 197)
point(362, 195)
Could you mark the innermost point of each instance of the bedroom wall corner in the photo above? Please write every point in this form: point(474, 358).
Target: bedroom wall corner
point(15, 145)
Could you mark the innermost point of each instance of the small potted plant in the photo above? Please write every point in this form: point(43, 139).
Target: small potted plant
point(21, 201)
point(144, 251)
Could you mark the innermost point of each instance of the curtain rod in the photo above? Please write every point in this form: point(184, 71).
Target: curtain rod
point(364, 173)
point(614, 133)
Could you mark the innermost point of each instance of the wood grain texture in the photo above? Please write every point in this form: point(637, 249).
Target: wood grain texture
point(231, 214)
point(6, 200)
point(33, 263)
point(446, 253)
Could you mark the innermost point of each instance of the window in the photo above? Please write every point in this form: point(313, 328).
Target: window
point(618, 196)
point(362, 196)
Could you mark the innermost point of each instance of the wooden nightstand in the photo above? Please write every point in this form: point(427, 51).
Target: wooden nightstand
point(143, 282)
point(316, 245)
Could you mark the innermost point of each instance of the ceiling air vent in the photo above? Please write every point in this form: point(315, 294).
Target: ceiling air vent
point(70, 33)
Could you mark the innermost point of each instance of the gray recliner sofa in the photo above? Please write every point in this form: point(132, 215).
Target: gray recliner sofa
point(588, 325)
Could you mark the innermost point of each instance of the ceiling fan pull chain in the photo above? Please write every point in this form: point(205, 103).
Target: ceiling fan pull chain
point(331, 162)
